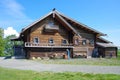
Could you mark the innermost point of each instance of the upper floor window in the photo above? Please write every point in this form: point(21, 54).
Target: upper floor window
point(36, 40)
point(91, 42)
point(64, 41)
point(83, 42)
point(51, 40)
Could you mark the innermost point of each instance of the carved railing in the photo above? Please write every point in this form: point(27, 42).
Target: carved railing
point(30, 44)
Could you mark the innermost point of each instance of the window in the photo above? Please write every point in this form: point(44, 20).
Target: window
point(51, 41)
point(64, 41)
point(36, 40)
point(83, 42)
point(91, 42)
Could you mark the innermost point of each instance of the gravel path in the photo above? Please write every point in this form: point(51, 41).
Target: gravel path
point(36, 66)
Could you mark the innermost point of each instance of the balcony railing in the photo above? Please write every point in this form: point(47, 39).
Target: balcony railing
point(48, 45)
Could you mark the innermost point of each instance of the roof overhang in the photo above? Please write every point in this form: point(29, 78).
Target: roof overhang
point(105, 45)
point(16, 39)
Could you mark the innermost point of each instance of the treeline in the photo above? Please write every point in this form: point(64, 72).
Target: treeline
point(6, 45)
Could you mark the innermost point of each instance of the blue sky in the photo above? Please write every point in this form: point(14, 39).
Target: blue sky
point(102, 15)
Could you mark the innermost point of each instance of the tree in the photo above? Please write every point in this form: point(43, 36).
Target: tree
point(2, 43)
point(9, 45)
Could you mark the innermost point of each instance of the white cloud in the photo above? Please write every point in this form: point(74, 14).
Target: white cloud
point(10, 31)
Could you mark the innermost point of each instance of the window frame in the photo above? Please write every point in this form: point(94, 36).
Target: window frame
point(91, 42)
point(63, 41)
point(52, 41)
point(84, 42)
point(36, 41)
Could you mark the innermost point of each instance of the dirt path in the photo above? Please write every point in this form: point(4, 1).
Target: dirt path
point(36, 66)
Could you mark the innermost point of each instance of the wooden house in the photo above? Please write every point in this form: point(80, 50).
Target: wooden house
point(58, 36)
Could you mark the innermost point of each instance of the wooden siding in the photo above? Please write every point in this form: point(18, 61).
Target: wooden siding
point(63, 33)
point(51, 53)
point(38, 31)
point(110, 52)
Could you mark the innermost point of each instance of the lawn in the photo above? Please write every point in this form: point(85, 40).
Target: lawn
point(93, 61)
point(13, 74)
point(81, 61)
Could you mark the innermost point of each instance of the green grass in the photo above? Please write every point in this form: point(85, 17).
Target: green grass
point(119, 54)
point(12, 74)
point(92, 61)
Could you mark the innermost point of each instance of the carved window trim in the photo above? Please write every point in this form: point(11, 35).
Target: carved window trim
point(84, 42)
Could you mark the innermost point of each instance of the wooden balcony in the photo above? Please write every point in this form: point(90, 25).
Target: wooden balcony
point(48, 45)
point(51, 28)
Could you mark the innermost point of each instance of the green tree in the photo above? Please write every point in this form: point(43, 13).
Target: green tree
point(9, 45)
point(2, 43)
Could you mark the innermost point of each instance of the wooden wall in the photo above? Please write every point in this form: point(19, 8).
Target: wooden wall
point(38, 31)
point(110, 52)
point(51, 53)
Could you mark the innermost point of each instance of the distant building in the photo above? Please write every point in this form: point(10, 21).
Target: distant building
point(58, 36)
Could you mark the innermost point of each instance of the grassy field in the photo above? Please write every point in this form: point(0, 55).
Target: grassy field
point(96, 61)
point(92, 61)
point(12, 74)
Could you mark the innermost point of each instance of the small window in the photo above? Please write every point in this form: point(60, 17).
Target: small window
point(64, 41)
point(91, 42)
point(83, 42)
point(36, 40)
point(51, 40)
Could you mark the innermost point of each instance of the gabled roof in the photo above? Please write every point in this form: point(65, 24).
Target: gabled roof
point(64, 19)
